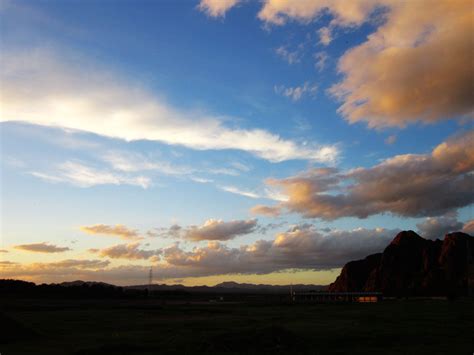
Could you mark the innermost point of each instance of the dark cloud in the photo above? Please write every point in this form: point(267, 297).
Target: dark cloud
point(437, 227)
point(41, 248)
point(212, 229)
point(127, 251)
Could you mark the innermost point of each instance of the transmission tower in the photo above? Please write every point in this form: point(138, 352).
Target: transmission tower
point(150, 278)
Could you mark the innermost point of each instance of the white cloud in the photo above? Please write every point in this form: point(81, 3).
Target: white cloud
point(74, 94)
point(238, 191)
point(297, 92)
point(81, 175)
point(201, 180)
point(291, 57)
point(134, 162)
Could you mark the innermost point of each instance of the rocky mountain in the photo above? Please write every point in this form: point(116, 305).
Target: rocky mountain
point(413, 266)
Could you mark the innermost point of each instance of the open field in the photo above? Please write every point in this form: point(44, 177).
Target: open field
point(151, 326)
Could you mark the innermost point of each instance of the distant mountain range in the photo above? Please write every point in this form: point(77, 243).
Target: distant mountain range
point(231, 287)
point(413, 266)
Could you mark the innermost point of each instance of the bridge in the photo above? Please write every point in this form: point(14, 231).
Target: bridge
point(334, 297)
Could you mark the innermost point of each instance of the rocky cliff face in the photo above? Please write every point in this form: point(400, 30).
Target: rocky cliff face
point(413, 266)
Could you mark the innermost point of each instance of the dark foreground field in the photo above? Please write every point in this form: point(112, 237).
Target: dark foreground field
point(151, 327)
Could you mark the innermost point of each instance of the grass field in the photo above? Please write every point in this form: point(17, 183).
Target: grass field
point(151, 327)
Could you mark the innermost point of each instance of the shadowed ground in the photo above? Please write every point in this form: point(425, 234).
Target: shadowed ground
point(150, 326)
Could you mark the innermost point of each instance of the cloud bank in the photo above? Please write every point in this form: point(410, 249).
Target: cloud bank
point(406, 185)
point(300, 247)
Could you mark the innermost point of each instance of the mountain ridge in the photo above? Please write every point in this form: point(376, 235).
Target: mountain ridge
point(413, 266)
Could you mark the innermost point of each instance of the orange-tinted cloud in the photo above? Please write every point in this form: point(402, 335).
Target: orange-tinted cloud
point(266, 210)
point(416, 66)
point(407, 185)
point(469, 227)
point(217, 8)
point(118, 230)
point(41, 248)
point(127, 251)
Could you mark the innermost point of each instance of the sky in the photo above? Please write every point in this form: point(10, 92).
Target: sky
point(256, 141)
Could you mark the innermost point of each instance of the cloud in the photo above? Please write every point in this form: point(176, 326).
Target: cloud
point(469, 227)
point(420, 57)
point(391, 139)
point(325, 36)
point(201, 180)
point(321, 59)
point(297, 92)
point(406, 185)
point(73, 94)
point(437, 227)
point(291, 57)
point(301, 247)
point(174, 231)
point(127, 251)
point(41, 248)
point(214, 229)
point(78, 174)
point(133, 162)
point(3, 251)
point(77, 263)
point(270, 226)
point(70, 269)
point(7, 263)
point(241, 166)
point(216, 8)
point(345, 13)
point(266, 210)
point(419, 71)
point(118, 230)
point(239, 191)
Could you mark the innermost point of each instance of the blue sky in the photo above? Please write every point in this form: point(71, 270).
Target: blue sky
point(139, 116)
